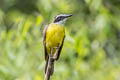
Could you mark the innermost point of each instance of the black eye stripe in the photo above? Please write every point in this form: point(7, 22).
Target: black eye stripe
point(59, 19)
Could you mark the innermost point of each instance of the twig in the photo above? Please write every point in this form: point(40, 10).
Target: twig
point(49, 67)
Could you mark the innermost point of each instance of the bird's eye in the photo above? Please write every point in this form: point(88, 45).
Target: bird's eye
point(58, 19)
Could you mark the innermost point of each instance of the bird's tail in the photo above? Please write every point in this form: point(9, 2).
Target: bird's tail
point(46, 67)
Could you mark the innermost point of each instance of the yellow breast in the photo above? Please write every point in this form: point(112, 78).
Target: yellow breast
point(54, 35)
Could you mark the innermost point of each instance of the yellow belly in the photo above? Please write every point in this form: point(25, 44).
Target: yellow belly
point(54, 36)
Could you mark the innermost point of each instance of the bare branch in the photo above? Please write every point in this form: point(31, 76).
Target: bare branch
point(50, 67)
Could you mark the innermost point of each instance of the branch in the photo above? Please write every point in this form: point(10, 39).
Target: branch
point(49, 67)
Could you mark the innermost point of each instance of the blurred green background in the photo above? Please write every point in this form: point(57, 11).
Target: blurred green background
point(92, 45)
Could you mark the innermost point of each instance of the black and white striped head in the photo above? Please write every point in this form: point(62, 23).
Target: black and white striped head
point(61, 18)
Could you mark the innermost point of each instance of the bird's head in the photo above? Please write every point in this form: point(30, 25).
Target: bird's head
point(61, 18)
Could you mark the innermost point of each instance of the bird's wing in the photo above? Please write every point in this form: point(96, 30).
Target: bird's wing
point(44, 42)
point(60, 48)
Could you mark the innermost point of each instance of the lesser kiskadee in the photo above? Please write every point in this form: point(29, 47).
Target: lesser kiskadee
point(53, 36)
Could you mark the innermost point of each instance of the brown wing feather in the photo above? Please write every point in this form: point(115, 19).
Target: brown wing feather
point(44, 42)
point(59, 51)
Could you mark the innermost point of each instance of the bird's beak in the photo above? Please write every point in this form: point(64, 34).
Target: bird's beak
point(69, 15)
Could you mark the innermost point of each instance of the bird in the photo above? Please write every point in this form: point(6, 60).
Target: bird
point(53, 37)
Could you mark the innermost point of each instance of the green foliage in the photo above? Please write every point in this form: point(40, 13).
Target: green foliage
point(92, 45)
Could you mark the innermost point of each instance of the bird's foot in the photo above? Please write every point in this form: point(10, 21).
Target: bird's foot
point(56, 52)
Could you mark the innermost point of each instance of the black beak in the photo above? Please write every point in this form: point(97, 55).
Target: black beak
point(69, 15)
